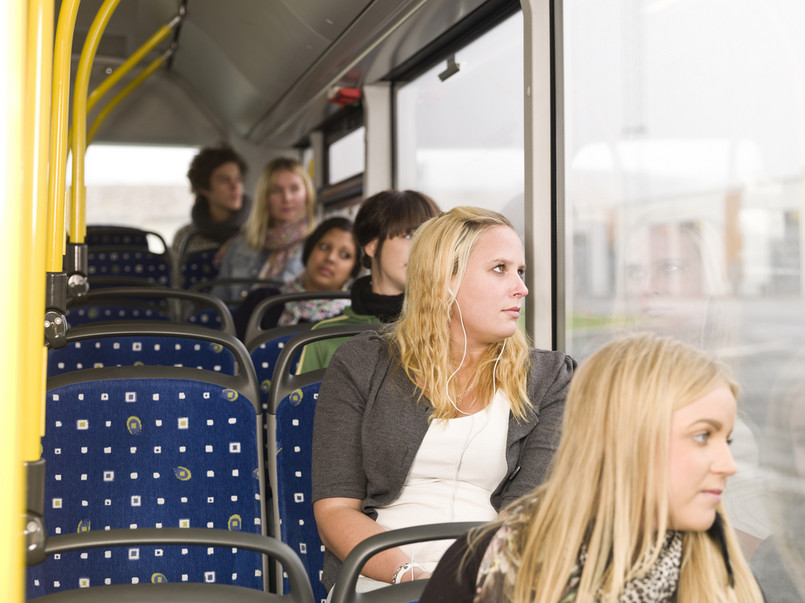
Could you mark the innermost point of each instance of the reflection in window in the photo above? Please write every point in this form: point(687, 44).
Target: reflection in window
point(684, 206)
point(461, 140)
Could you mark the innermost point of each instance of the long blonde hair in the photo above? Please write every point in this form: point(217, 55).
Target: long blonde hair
point(608, 489)
point(438, 260)
point(260, 219)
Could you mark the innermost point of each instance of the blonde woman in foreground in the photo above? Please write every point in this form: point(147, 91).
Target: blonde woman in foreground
point(632, 508)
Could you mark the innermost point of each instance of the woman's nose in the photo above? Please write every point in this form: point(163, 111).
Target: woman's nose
point(725, 463)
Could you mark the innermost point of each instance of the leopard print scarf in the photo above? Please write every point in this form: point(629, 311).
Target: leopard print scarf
point(499, 567)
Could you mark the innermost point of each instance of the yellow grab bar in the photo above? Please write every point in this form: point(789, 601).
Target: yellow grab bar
point(133, 60)
point(78, 225)
point(58, 134)
point(124, 92)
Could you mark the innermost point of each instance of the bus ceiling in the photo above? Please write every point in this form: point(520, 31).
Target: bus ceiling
point(255, 70)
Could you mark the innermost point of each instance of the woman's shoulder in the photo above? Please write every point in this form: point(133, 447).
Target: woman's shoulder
point(551, 361)
point(367, 344)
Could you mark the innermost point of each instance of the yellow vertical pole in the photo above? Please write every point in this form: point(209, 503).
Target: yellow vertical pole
point(38, 74)
point(78, 193)
point(12, 493)
point(58, 134)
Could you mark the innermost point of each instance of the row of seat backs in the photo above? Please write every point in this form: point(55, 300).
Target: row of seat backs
point(136, 446)
point(150, 303)
point(125, 252)
point(291, 421)
point(146, 343)
point(177, 306)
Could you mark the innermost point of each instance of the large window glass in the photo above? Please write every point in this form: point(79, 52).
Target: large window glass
point(460, 139)
point(685, 205)
point(141, 186)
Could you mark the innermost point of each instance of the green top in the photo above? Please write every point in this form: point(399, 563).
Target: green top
point(318, 354)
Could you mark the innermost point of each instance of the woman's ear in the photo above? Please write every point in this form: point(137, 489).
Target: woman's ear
point(370, 248)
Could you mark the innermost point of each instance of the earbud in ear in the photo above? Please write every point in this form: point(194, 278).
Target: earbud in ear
point(450, 291)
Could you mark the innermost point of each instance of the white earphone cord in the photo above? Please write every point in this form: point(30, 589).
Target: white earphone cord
point(463, 356)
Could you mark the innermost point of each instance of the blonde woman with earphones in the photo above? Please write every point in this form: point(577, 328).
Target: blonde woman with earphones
point(446, 415)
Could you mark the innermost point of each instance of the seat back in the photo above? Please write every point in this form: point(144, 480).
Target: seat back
point(165, 592)
point(253, 328)
point(129, 344)
point(344, 589)
point(291, 408)
point(211, 285)
point(150, 303)
point(265, 351)
point(128, 263)
point(122, 236)
point(198, 268)
point(144, 446)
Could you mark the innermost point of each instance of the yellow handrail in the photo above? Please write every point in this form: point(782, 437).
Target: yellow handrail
point(58, 134)
point(39, 61)
point(15, 240)
point(133, 60)
point(124, 92)
point(78, 225)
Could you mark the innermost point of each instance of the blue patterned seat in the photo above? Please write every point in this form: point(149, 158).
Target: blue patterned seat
point(198, 268)
point(129, 263)
point(150, 303)
point(153, 447)
point(266, 349)
point(291, 407)
point(120, 236)
point(130, 344)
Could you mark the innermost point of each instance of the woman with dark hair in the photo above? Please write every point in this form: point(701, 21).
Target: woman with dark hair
point(270, 246)
point(383, 228)
point(332, 258)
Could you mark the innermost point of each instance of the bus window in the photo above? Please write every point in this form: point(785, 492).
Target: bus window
point(685, 199)
point(346, 156)
point(460, 139)
point(141, 186)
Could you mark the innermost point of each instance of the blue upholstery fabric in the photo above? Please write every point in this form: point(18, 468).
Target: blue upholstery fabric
point(206, 318)
point(264, 358)
point(130, 264)
point(198, 268)
point(294, 436)
point(125, 237)
point(81, 315)
point(127, 453)
point(147, 350)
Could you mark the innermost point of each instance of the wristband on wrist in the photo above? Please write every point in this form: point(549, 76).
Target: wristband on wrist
point(400, 571)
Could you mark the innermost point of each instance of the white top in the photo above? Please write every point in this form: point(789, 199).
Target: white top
point(459, 464)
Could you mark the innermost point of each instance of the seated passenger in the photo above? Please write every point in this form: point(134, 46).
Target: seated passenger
point(383, 228)
point(447, 415)
point(631, 510)
point(270, 246)
point(331, 258)
point(221, 208)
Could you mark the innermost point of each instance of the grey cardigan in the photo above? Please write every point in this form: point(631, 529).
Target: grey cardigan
point(369, 426)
